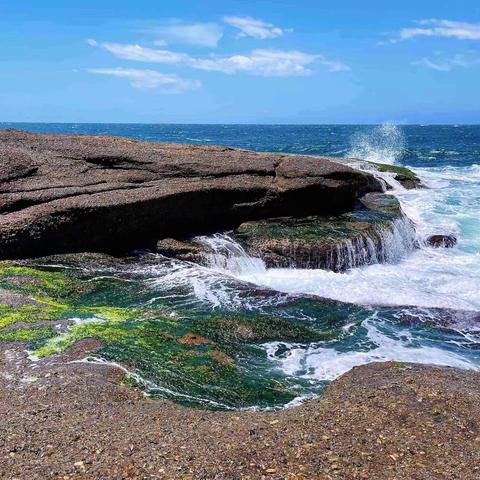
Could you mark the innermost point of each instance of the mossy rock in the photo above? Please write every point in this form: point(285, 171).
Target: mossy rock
point(195, 373)
point(193, 358)
point(32, 335)
point(333, 243)
point(256, 329)
point(403, 175)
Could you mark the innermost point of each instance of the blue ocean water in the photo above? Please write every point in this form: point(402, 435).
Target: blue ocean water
point(439, 287)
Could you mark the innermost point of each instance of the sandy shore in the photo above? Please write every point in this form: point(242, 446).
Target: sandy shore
point(77, 421)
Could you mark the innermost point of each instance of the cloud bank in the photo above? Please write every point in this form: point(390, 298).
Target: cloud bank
point(202, 34)
point(262, 62)
point(433, 27)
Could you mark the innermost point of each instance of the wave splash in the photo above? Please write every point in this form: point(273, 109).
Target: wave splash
point(385, 144)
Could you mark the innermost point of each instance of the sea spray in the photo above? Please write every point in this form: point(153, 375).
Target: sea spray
point(385, 144)
point(228, 255)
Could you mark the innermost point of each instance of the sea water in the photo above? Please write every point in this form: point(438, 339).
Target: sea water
point(420, 305)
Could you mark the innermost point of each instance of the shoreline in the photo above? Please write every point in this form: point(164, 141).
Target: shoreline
point(63, 418)
point(386, 420)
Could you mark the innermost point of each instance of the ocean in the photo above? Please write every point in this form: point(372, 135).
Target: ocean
point(423, 307)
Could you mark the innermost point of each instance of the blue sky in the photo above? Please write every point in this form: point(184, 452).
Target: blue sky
point(303, 61)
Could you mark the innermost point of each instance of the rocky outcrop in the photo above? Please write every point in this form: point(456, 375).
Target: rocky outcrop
point(67, 193)
point(376, 231)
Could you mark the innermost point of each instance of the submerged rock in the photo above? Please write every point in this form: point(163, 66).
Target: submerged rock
point(441, 241)
point(376, 231)
point(192, 357)
point(71, 193)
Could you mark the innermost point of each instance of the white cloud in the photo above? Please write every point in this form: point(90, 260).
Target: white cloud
point(333, 65)
point(433, 27)
point(448, 64)
point(142, 54)
point(203, 34)
point(268, 63)
point(251, 27)
point(150, 79)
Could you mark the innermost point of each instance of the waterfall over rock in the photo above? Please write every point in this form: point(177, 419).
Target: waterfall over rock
point(376, 231)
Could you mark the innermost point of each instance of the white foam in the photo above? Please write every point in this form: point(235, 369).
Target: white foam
point(427, 277)
point(327, 363)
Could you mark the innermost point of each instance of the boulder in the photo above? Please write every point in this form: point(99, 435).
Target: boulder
point(71, 193)
point(441, 241)
point(337, 243)
point(182, 250)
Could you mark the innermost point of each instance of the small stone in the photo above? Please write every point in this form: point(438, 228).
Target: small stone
point(441, 241)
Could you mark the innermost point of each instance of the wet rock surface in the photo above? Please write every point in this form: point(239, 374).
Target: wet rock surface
point(390, 420)
point(441, 241)
point(333, 243)
point(403, 175)
point(182, 250)
point(67, 193)
point(201, 358)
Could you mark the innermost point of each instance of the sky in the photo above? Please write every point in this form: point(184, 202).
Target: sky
point(243, 61)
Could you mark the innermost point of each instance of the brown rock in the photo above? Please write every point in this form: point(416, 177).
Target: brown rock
point(68, 193)
point(192, 339)
point(223, 358)
point(441, 241)
point(182, 250)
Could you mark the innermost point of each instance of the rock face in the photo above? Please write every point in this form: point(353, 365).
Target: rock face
point(376, 231)
point(67, 193)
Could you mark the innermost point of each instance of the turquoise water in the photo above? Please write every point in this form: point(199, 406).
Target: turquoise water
point(424, 308)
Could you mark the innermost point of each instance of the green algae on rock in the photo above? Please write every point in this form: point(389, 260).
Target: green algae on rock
point(31, 335)
point(257, 328)
point(333, 243)
point(403, 175)
point(192, 372)
point(196, 359)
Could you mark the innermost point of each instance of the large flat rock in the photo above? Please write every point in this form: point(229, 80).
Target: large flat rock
point(379, 421)
point(66, 193)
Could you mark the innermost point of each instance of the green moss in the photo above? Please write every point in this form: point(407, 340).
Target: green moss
point(195, 373)
point(257, 329)
point(43, 284)
point(108, 332)
point(403, 172)
point(27, 334)
point(226, 369)
point(29, 314)
point(110, 313)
